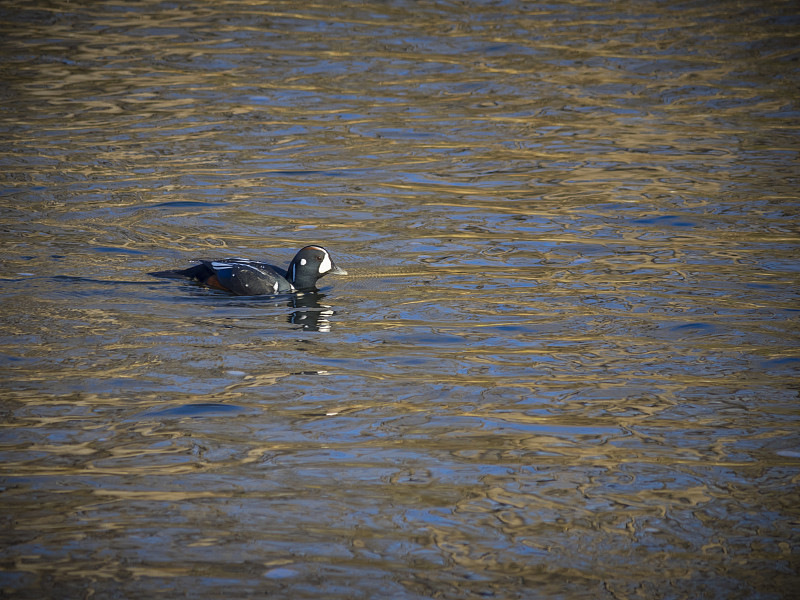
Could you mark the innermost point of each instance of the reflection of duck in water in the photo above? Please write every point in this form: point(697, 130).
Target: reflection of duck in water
point(311, 315)
point(251, 278)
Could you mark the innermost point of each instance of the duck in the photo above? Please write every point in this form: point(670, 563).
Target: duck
point(244, 277)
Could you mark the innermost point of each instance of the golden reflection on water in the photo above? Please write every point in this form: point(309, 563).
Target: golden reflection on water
point(564, 363)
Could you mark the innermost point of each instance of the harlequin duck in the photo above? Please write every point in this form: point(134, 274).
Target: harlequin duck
point(250, 278)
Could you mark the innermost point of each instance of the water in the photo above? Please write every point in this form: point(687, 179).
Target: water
point(564, 363)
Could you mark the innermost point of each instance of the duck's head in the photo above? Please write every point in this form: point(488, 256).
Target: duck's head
point(308, 265)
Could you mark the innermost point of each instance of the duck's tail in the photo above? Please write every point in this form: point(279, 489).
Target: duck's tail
point(174, 274)
point(199, 272)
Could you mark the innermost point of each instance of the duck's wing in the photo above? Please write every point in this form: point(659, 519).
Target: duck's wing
point(247, 278)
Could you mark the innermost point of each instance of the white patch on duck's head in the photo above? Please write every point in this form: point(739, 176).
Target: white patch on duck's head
point(303, 261)
point(326, 264)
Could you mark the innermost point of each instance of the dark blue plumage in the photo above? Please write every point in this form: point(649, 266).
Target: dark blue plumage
point(252, 278)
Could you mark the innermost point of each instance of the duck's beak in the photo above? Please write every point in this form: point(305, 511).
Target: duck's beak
point(336, 271)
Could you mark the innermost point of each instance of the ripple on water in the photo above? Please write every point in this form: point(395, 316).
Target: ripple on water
point(563, 364)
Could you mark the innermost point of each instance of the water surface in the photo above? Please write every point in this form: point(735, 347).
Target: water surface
point(564, 363)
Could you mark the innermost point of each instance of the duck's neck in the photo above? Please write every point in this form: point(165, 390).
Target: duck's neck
point(300, 278)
